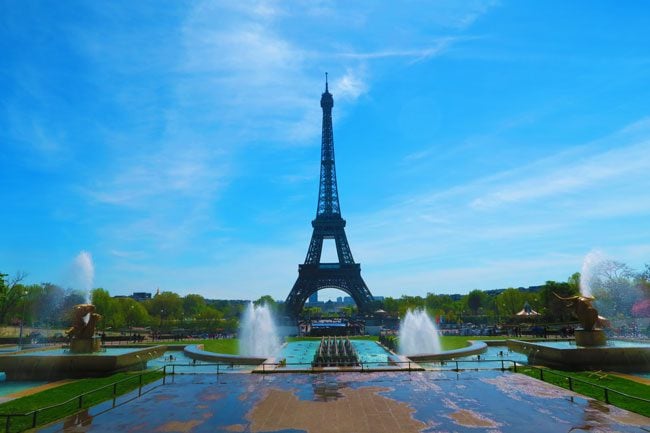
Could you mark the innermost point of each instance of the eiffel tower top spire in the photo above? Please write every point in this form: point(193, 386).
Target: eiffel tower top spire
point(328, 195)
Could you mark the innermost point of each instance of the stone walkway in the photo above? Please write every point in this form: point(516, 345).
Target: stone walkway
point(429, 402)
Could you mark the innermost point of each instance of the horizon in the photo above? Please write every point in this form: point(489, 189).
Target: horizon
point(479, 145)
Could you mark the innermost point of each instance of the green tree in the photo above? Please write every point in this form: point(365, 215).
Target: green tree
point(475, 300)
point(166, 306)
point(193, 305)
point(553, 308)
point(510, 301)
point(11, 292)
point(133, 312)
point(48, 305)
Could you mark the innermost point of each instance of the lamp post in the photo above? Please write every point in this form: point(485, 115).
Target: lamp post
point(22, 321)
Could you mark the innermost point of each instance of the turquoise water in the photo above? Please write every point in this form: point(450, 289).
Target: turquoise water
point(610, 343)
point(183, 364)
point(7, 388)
point(490, 359)
point(112, 351)
point(300, 354)
point(370, 352)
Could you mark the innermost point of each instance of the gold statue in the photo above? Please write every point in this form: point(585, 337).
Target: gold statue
point(83, 322)
point(582, 308)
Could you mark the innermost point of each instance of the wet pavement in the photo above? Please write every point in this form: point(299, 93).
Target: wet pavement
point(429, 401)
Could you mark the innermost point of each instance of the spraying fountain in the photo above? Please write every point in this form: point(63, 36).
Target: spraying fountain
point(591, 349)
point(258, 335)
point(418, 334)
point(84, 357)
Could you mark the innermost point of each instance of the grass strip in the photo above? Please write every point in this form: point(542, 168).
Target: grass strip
point(93, 391)
point(593, 387)
point(452, 342)
point(225, 345)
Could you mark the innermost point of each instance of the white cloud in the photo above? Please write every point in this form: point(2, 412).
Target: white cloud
point(549, 208)
point(350, 85)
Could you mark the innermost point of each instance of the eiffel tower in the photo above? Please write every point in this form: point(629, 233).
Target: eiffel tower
point(314, 275)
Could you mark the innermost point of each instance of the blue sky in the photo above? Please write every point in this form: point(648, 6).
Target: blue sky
point(176, 144)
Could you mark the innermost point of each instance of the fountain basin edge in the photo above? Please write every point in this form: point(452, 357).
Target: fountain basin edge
point(195, 351)
point(473, 348)
point(624, 359)
point(35, 366)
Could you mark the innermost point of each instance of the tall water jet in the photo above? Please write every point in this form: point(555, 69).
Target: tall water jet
point(258, 335)
point(418, 334)
point(590, 267)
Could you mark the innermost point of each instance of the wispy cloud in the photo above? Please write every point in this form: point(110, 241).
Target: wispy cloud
point(541, 206)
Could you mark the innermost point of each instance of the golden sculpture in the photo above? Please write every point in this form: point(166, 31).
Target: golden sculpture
point(84, 321)
point(582, 308)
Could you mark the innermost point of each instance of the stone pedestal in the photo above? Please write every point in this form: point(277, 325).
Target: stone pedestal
point(595, 337)
point(85, 345)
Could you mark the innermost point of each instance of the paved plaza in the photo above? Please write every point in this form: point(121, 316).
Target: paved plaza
point(489, 401)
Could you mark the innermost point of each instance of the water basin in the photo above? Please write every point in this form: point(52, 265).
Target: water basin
point(300, 354)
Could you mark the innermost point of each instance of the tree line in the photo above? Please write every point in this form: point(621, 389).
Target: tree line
point(620, 292)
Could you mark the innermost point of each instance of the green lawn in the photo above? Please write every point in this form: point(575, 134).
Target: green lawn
point(225, 345)
point(615, 383)
point(451, 342)
point(50, 397)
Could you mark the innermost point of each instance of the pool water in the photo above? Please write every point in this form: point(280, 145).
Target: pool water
point(610, 343)
point(8, 388)
point(300, 354)
point(183, 364)
point(111, 351)
point(490, 359)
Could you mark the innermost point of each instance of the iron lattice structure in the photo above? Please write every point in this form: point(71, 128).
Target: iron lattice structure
point(328, 224)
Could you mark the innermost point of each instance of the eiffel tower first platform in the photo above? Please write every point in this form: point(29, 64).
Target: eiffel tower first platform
point(314, 275)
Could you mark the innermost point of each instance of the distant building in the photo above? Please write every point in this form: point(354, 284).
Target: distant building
point(141, 296)
point(313, 298)
point(339, 299)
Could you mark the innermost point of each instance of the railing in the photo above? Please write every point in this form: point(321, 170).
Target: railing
point(580, 386)
point(16, 422)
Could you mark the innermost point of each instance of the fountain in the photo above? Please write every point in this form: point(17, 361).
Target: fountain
point(82, 332)
point(591, 349)
point(258, 336)
point(588, 316)
point(335, 352)
point(418, 334)
point(84, 357)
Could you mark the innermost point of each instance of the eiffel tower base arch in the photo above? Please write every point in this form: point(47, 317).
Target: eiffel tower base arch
point(314, 277)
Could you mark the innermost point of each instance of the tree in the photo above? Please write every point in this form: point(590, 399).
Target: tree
point(132, 311)
point(11, 292)
point(553, 308)
point(613, 285)
point(48, 305)
point(475, 300)
point(193, 305)
point(510, 301)
point(71, 298)
point(166, 305)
